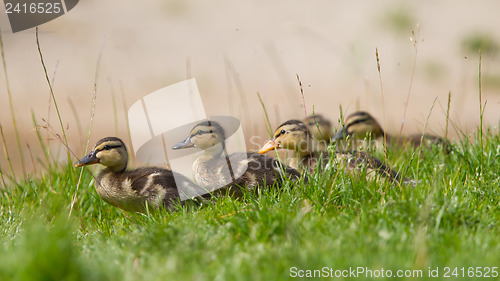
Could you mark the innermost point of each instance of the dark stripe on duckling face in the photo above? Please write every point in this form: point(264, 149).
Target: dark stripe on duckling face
point(354, 123)
point(290, 126)
point(109, 147)
point(282, 132)
point(204, 135)
point(357, 117)
point(208, 127)
point(106, 145)
point(201, 132)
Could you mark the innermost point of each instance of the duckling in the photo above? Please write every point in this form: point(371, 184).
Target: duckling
point(294, 135)
point(361, 124)
point(306, 150)
point(232, 172)
point(320, 127)
point(131, 190)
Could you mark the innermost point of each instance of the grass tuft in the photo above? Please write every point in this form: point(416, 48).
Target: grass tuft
point(334, 220)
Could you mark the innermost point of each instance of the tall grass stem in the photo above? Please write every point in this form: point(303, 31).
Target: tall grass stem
point(268, 123)
point(414, 38)
point(447, 115)
point(11, 105)
point(92, 114)
point(52, 94)
point(383, 102)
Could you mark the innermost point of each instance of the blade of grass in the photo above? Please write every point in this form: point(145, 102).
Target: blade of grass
point(316, 123)
point(92, 114)
point(341, 118)
point(125, 110)
point(414, 38)
point(7, 157)
point(115, 112)
point(11, 105)
point(423, 134)
point(305, 113)
point(52, 94)
point(45, 146)
point(384, 144)
point(268, 123)
point(240, 89)
point(49, 107)
point(32, 159)
point(481, 115)
point(447, 115)
point(1, 177)
point(77, 120)
point(229, 87)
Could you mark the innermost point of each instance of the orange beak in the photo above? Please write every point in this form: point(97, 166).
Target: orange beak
point(270, 145)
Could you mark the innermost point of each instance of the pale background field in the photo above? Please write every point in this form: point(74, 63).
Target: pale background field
point(235, 49)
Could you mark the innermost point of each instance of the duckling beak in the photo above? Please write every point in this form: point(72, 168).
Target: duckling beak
point(185, 143)
point(341, 134)
point(90, 159)
point(270, 145)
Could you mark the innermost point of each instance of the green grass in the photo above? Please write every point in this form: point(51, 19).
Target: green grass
point(337, 220)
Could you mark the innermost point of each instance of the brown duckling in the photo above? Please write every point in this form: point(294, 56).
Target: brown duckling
point(212, 169)
point(294, 135)
point(131, 190)
point(320, 127)
point(361, 125)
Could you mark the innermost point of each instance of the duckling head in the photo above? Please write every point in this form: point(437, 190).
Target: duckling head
point(292, 135)
point(204, 135)
point(319, 126)
point(359, 125)
point(110, 152)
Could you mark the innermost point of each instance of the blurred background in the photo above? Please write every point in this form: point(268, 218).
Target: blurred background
point(236, 49)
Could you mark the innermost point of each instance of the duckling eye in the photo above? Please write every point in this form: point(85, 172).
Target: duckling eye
point(109, 146)
point(282, 132)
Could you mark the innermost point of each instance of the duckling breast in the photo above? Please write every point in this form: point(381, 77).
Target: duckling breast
point(212, 174)
point(118, 193)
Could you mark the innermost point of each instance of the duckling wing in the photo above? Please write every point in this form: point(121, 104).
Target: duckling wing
point(240, 170)
point(310, 161)
point(161, 185)
point(260, 170)
point(143, 179)
point(355, 159)
point(429, 141)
